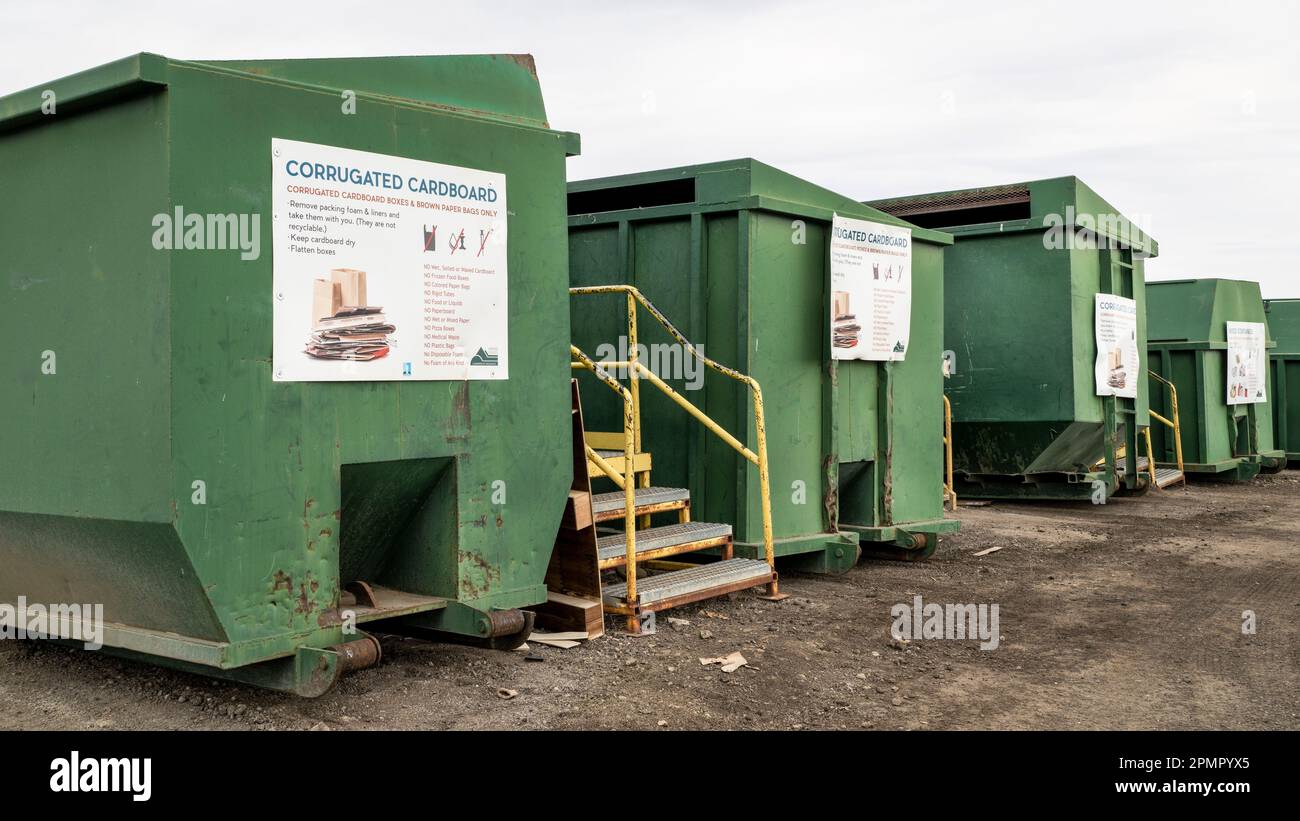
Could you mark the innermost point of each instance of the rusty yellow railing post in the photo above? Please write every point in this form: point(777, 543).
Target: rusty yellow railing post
point(1178, 431)
point(764, 485)
point(629, 513)
point(949, 490)
point(1173, 423)
point(634, 384)
point(628, 483)
point(1151, 459)
point(633, 380)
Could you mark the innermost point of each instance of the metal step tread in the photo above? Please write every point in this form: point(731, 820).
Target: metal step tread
point(614, 454)
point(657, 538)
point(605, 502)
point(1165, 476)
point(682, 582)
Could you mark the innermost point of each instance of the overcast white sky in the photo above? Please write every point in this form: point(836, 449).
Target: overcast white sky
point(1183, 115)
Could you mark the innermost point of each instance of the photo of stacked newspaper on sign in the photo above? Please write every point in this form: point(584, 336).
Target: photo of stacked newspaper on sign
point(343, 326)
point(845, 330)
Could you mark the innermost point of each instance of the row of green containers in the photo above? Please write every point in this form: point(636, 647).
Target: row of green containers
point(1020, 284)
point(227, 520)
point(235, 521)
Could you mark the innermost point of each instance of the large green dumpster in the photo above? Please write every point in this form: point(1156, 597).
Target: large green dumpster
point(736, 255)
point(241, 507)
point(1284, 373)
point(1188, 324)
point(1020, 307)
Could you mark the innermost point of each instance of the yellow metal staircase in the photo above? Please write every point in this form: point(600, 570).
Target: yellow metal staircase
point(1162, 475)
point(640, 545)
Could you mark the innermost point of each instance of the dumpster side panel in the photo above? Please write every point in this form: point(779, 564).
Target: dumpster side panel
point(1286, 399)
point(265, 448)
point(85, 336)
point(1086, 282)
point(662, 265)
point(723, 491)
point(787, 318)
point(1006, 317)
point(596, 257)
point(88, 517)
point(1284, 324)
point(915, 455)
point(1139, 295)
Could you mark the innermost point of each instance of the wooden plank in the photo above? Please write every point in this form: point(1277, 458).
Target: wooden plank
point(577, 511)
point(563, 613)
point(573, 569)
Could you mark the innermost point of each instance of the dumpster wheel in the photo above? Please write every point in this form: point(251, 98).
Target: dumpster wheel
point(510, 629)
point(506, 630)
point(922, 547)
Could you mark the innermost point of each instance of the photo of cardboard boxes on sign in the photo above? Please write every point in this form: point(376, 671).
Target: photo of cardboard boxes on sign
point(1118, 376)
point(846, 329)
point(343, 325)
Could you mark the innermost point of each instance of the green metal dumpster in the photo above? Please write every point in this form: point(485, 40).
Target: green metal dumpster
point(736, 255)
point(1021, 314)
point(257, 389)
point(1284, 374)
point(1189, 322)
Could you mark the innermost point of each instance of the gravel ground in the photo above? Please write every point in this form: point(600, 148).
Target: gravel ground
point(1125, 616)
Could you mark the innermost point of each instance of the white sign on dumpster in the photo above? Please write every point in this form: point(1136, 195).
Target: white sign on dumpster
point(871, 290)
point(1118, 367)
point(1247, 363)
point(386, 268)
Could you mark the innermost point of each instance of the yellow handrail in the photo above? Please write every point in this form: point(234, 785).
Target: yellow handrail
point(629, 450)
point(949, 491)
point(605, 467)
point(636, 370)
point(1174, 423)
point(1151, 458)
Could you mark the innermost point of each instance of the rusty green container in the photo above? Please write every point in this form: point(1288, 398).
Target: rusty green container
point(1020, 284)
point(1284, 374)
point(1187, 328)
point(735, 254)
point(228, 523)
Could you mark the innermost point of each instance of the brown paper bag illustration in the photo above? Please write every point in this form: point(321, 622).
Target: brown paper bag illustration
point(353, 283)
point(326, 299)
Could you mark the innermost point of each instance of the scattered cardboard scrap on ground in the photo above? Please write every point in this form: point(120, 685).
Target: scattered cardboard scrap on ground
point(730, 663)
point(561, 640)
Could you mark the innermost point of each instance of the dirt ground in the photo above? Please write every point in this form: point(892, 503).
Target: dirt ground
point(1122, 616)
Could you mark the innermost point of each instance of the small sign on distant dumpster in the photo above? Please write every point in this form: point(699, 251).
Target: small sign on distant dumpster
point(871, 290)
point(1118, 366)
point(1247, 363)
